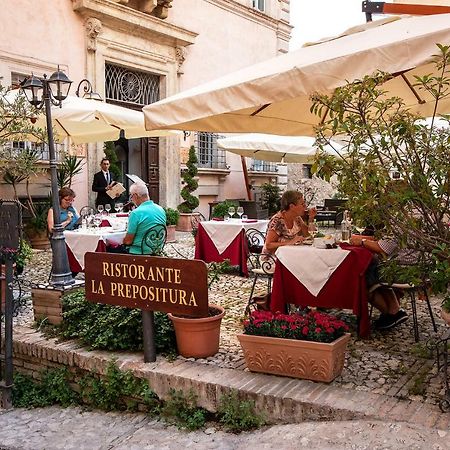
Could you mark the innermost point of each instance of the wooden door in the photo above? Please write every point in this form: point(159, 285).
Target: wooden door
point(151, 160)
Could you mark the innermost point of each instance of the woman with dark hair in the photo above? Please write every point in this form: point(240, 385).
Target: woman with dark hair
point(68, 213)
point(287, 227)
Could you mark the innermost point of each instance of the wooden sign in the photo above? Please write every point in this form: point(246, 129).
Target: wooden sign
point(150, 283)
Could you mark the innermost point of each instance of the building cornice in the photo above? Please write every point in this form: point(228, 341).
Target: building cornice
point(116, 15)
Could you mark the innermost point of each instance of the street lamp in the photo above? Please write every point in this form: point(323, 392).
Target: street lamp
point(42, 94)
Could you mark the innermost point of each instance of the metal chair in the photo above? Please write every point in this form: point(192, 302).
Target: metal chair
point(195, 220)
point(87, 211)
point(411, 290)
point(261, 265)
point(154, 240)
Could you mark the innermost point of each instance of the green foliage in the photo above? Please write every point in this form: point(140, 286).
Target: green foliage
point(39, 220)
point(221, 209)
point(190, 184)
point(238, 415)
point(446, 304)
point(117, 390)
point(69, 167)
point(110, 153)
point(183, 410)
point(270, 197)
point(381, 136)
point(215, 269)
point(172, 216)
point(24, 253)
point(111, 327)
point(53, 389)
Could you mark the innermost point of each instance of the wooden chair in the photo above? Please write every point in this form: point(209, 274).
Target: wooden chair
point(154, 240)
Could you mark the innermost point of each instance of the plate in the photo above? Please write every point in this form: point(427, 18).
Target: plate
point(308, 242)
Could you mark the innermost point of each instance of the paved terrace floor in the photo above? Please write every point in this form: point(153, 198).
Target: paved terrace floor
point(389, 363)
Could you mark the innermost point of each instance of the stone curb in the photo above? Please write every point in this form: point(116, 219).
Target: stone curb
point(281, 399)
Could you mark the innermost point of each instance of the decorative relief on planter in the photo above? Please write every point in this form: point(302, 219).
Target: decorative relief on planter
point(315, 361)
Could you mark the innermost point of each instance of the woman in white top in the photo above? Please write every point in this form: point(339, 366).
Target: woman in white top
point(287, 227)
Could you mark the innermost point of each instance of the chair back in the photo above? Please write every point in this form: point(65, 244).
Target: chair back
point(195, 220)
point(255, 242)
point(154, 240)
point(87, 211)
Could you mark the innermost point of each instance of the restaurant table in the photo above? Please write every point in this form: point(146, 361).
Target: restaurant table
point(344, 283)
point(217, 241)
point(81, 241)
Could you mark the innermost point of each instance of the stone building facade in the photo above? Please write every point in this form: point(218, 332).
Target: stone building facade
point(138, 51)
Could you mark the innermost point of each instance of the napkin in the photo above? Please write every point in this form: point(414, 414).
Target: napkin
point(122, 215)
point(250, 221)
point(218, 219)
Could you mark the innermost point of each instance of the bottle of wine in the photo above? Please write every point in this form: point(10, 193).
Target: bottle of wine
point(345, 227)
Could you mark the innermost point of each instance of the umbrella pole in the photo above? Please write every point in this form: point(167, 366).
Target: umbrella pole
point(247, 182)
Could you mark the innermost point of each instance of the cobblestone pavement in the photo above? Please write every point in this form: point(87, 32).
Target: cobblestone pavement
point(388, 363)
point(73, 428)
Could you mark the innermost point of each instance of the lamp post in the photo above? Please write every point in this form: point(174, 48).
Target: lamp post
point(42, 94)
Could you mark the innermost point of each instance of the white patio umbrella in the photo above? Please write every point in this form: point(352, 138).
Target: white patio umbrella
point(274, 96)
point(87, 120)
point(273, 148)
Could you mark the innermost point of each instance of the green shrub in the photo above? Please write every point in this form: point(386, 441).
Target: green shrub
point(172, 216)
point(183, 411)
point(190, 184)
point(238, 415)
point(221, 209)
point(270, 198)
point(109, 327)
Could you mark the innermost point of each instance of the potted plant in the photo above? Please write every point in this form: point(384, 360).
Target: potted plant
point(200, 337)
point(36, 226)
point(172, 216)
point(23, 256)
point(301, 345)
point(186, 208)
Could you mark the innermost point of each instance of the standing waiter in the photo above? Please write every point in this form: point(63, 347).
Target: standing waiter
point(102, 183)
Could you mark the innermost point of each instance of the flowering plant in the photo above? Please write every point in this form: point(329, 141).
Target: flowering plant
point(311, 326)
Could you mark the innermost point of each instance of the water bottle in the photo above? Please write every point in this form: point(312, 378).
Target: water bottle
point(84, 224)
point(345, 227)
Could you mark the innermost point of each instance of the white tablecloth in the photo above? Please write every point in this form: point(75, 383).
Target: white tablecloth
point(82, 241)
point(311, 266)
point(222, 234)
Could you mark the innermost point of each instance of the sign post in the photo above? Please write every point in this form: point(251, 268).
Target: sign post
point(148, 283)
point(10, 226)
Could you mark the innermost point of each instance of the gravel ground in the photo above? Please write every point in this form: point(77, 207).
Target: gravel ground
point(388, 363)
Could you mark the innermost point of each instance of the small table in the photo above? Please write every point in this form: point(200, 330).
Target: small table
point(345, 286)
point(81, 241)
point(217, 241)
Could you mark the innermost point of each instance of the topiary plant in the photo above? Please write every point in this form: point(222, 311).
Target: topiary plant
point(190, 184)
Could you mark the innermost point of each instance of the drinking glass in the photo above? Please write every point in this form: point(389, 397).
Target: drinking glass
point(97, 220)
point(107, 208)
point(231, 211)
point(240, 211)
point(313, 229)
point(119, 207)
point(244, 217)
point(100, 209)
point(226, 217)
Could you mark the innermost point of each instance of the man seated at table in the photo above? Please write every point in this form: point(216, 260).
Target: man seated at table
point(146, 215)
point(287, 227)
point(384, 298)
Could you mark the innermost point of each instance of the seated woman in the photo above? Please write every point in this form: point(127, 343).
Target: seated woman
point(68, 213)
point(287, 227)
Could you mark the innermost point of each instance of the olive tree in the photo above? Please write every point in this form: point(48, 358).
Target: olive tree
point(394, 167)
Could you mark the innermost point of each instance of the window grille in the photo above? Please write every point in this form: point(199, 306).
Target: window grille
point(130, 86)
point(209, 156)
point(259, 4)
point(263, 166)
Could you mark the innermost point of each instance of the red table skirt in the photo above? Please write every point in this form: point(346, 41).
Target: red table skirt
point(74, 264)
point(236, 252)
point(345, 289)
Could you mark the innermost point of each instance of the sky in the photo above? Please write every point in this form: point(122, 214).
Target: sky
point(316, 19)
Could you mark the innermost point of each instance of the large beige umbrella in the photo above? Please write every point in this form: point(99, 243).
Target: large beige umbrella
point(273, 96)
point(274, 148)
point(87, 120)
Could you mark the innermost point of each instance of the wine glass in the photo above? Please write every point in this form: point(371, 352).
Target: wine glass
point(107, 208)
point(119, 207)
point(231, 211)
point(240, 211)
point(97, 220)
point(313, 229)
point(100, 209)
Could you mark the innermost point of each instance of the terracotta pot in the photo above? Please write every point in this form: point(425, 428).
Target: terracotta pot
point(38, 239)
point(446, 316)
point(198, 337)
point(185, 221)
point(171, 237)
point(315, 361)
